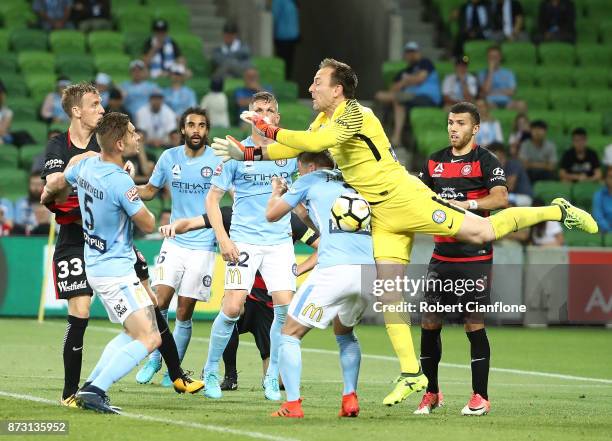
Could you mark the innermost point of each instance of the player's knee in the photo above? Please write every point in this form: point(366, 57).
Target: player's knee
point(152, 341)
point(231, 310)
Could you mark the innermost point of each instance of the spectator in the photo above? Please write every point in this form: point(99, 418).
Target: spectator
point(25, 217)
point(520, 133)
point(507, 21)
point(474, 23)
point(607, 159)
point(41, 222)
point(215, 103)
point(459, 86)
point(490, 129)
point(602, 204)
point(498, 84)
point(286, 16)
point(143, 163)
point(103, 84)
point(160, 51)
point(53, 14)
point(156, 120)
point(178, 96)
point(233, 56)
point(252, 85)
point(91, 15)
point(176, 138)
point(6, 217)
point(417, 85)
point(579, 163)
point(137, 91)
point(557, 21)
point(539, 155)
point(115, 102)
point(519, 188)
point(546, 234)
point(6, 118)
point(52, 110)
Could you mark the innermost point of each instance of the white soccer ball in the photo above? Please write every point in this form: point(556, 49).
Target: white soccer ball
point(351, 212)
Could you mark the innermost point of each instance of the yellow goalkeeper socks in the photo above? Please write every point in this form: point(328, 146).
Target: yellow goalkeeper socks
point(401, 339)
point(516, 218)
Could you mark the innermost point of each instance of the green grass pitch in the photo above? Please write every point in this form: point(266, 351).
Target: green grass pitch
point(527, 403)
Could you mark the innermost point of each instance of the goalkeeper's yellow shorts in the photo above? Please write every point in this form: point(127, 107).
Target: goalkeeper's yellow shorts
point(411, 208)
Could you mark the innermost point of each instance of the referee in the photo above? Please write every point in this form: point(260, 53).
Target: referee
point(470, 177)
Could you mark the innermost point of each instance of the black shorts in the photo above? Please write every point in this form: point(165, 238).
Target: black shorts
point(141, 267)
point(257, 319)
point(450, 283)
point(69, 276)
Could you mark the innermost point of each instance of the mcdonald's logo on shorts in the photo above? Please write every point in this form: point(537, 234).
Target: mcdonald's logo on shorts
point(233, 276)
point(312, 310)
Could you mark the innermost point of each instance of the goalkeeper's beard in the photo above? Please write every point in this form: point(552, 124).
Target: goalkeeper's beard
point(198, 146)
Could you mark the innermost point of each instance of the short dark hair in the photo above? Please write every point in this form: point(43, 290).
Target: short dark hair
point(465, 107)
point(539, 123)
point(73, 95)
point(494, 47)
point(320, 159)
point(497, 147)
point(343, 75)
point(111, 128)
point(580, 131)
point(264, 96)
point(195, 111)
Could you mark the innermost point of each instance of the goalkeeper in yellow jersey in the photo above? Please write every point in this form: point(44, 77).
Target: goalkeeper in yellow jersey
point(401, 204)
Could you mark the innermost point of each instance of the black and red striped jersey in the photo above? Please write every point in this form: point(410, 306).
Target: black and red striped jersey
point(67, 214)
point(462, 178)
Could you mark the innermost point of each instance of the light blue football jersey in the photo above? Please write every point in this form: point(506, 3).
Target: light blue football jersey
point(108, 198)
point(318, 191)
point(252, 183)
point(189, 180)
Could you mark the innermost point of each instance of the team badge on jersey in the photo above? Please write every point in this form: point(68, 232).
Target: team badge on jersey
point(206, 172)
point(438, 216)
point(281, 162)
point(176, 171)
point(466, 170)
point(294, 269)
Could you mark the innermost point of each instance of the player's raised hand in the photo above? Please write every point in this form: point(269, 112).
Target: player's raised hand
point(168, 231)
point(262, 125)
point(229, 251)
point(279, 185)
point(130, 168)
point(228, 148)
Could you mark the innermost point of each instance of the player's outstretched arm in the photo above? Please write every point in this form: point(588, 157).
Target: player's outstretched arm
point(147, 191)
point(228, 249)
point(181, 226)
point(277, 207)
point(56, 188)
point(78, 158)
point(144, 220)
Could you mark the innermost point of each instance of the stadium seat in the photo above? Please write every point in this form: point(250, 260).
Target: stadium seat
point(164, 3)
point(10, 160)
point(40, 85)
point(71, 65)
point(597, 8)
point(577, 238)
point(105, 42)
point(27, 153)
point(569, 100)
point(28, 40)
point(605, 31)
point(108, 63)
point(431, 141)
point(589, 78)
point(13, 181)
point(270, 68)
point(592, 55)
point(201, 86)
point(15, 85)
point(285, 90)
point(36, 62)
point(135, 41)
point(17, 16)
point(390, 69)
point(37, 129)
point(134, 19)
point(177, 16)
point(599, 143)
point(67, 41)
point(599, 99)
point(188, 43)
point(552, 77)
point(296, 116)
point(524, 74)
point(587, 31)
point(444, 68)
point(592, 122)
point(162, 82)
point(537, 98)
point(8, 63)
point(476, 49)
point(549, 190)
point(519, 53)
point(198, 63)
point(582, 194)
point(607, 240)
point(506, 119)
point(4, 40)
point(24, 109)
point(424, 119)
point(556, 54)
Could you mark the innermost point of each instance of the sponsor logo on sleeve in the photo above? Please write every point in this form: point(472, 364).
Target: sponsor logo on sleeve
point(54, 163)
point(218, 170)
point(132, 194)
